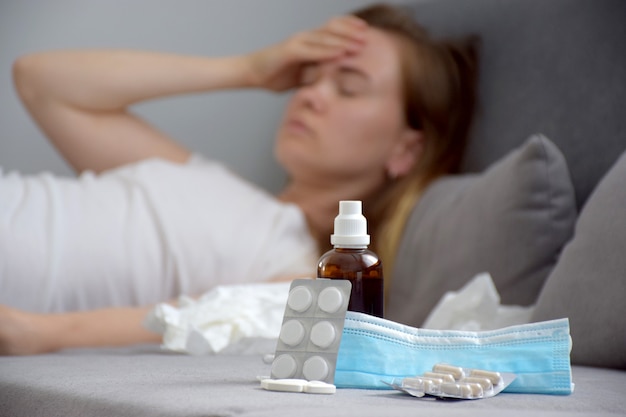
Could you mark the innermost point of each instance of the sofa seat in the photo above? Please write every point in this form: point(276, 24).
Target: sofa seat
point(146, 381)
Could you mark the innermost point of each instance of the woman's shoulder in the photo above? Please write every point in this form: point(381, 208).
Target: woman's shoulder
point(198, 159)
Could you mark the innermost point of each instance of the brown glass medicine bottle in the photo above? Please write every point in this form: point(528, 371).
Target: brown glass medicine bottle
point(351, 259)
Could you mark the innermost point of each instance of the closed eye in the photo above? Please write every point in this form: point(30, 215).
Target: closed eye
point(309, 74)
point(351, 83)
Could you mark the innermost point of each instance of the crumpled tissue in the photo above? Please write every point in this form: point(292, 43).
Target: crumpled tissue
point(244, 319)
point(476, 306)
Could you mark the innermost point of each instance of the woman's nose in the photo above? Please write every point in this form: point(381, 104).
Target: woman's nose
point(314, 95)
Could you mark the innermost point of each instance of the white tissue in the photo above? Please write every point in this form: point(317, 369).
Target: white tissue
point(227, 318)
point(246, 319)
point(475, 307)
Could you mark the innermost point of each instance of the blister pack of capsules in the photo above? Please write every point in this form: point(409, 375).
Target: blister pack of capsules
point(311, 331)
point(454, 382)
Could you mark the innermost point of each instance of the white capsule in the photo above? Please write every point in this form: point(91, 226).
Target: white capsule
point(443, 377)
point(477, 390)
point(420, 384)
point(456, 390)
point(485, 383)
point(494, 377)
point(456, 372)
point(460, 390)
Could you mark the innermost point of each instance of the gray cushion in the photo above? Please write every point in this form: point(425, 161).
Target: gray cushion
point(511, 221)
point(589, 283)
point(555, 67)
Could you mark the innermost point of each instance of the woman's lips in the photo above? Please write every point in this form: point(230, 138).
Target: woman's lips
point(298, 127)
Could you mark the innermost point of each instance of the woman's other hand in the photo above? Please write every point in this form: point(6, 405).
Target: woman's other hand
point(278, 67)
point(25, 333)
point(19, 333)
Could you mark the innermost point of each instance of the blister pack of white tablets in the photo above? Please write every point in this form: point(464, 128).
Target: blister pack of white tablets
point(311, 333)
point(449, 381)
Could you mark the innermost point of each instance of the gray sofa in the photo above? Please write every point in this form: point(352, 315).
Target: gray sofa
point(552, 232)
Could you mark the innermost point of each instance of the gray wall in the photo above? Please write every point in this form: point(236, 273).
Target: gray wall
point(236, 127)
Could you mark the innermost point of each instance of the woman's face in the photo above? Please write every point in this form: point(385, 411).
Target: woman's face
point(346, 121)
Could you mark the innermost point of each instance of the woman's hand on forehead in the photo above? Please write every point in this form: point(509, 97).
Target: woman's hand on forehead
point(278, 67)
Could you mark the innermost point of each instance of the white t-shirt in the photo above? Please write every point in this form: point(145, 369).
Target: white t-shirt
point(140, 234)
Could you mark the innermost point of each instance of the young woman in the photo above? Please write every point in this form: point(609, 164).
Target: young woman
point(380, 110)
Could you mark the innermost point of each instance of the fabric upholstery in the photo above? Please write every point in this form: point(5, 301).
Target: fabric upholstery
point(511, 221)
point(145, 382)
point(555, 67)
point(588, 284)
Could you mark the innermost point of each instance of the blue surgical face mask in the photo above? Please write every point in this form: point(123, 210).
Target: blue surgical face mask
point(374, 350)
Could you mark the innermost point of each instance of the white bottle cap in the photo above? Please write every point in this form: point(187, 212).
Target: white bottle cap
point(350, 226)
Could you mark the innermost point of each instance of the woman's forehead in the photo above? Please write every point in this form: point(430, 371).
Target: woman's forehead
point(379, 59)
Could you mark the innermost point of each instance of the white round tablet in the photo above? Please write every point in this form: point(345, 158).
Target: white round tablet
point(284, 366)
point(285, 385)
point(300, 299)
point(292, 333)
point(319, 387)
point(315, 369)
point(330, 299)
point(323, 334)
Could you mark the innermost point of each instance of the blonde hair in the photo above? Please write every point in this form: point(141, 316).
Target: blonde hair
point(439, 93)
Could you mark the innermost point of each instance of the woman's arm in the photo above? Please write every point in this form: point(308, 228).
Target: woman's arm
point(80, 100)
point(26, 333)
point(23, 333)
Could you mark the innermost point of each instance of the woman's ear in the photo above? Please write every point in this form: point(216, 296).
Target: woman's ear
point(406, 153)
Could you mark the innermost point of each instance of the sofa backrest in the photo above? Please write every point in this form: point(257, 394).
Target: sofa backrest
point(555, 67)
